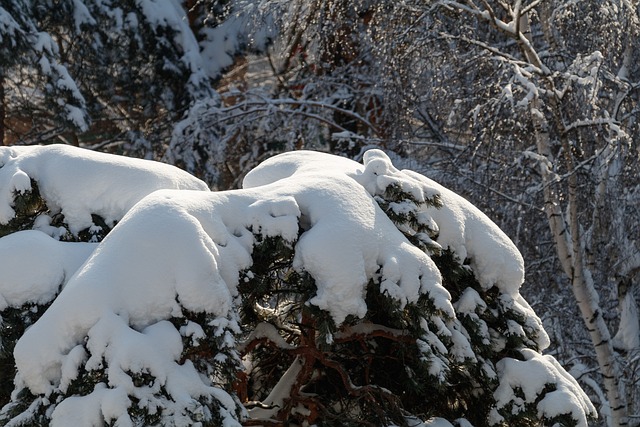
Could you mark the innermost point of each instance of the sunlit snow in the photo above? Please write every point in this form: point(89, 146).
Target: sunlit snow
point(35, 266)
point(178, 250)
point(80, 182)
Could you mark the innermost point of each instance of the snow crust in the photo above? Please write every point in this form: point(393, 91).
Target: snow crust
point(80, 182)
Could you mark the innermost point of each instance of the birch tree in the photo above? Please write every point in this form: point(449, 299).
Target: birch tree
point(573, 92)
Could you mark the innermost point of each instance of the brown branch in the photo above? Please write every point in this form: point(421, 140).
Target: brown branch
point(313, 359)
point(350, 334)
point(263, 422)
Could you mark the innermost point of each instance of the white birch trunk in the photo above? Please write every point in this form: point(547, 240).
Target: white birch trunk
point(567, 235)
point(567, 240)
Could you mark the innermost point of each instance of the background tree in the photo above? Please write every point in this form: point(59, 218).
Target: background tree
point(134, 68)
point(32, 68)
point(309, 85)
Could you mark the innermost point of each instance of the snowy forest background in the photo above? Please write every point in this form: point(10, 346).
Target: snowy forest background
point(529, 109)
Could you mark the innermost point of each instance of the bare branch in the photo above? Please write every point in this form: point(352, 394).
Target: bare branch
point(588, 123)
point(530, 7)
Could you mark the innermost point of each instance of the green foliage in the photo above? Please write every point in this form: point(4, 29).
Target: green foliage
point(396, 361)
point(271, 280)
point(404, 210)
point(210, 344)
point(495, 328)
point(13, 323)
point(334, 372)
point(27, 206)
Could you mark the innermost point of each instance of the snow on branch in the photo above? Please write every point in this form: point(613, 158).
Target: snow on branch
point(523, 381)
point(462, 227)
point(147, 331)
point(367, 239)
point(34, 266)
point(78, 183)
point(8, 27)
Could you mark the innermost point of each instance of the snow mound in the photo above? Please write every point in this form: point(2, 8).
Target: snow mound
point(524, 382)
point(33, 267)
point(348, 231)
point(462, 227)
point(79, 182)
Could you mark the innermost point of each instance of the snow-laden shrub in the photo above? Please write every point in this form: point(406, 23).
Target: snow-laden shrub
point(324, 292)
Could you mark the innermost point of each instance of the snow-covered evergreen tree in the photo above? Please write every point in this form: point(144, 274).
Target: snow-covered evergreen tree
point(36, 215)
point(142, 65)
point(324, 292)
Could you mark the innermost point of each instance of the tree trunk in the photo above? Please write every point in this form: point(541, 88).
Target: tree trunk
point(588, 301)
point(3, 111)
point(568, 240)
point(568, 243)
